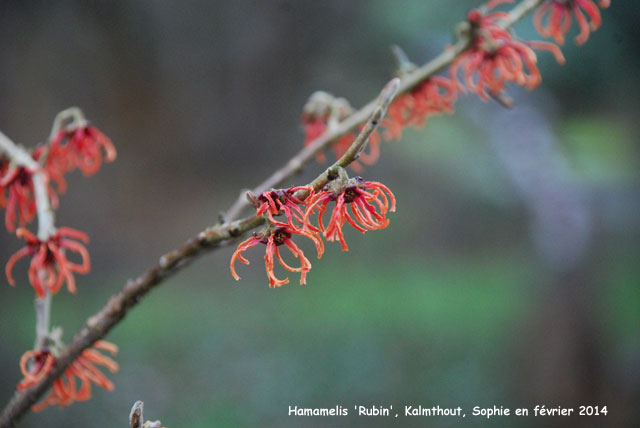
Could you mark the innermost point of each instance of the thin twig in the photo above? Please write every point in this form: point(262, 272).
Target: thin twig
point(118, 305)
point(46, 224)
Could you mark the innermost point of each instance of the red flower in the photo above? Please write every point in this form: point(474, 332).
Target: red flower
point(496, 58)
point(49, 264)
point(369, 201)
point(319, 111)
point(433, 96)
point(16, 184)
point(85, 147)
point(323, 110)
point(283, 201)
point(40, 364)
point(16, 188)
point(558, 15)
point(273, 237)
point(56, 165)
point(317, 127)
point(35, 365)
point(313, 129)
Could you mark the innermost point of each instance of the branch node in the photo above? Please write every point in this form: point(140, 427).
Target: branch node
point(135, 417)
point(252, 199)
point(164, 261)
point(332, 173)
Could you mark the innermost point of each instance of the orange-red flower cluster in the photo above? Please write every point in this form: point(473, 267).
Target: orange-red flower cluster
point(273, 203)
point(50, 267)
point(435, 95)
point(370, 202)
point(84, 149)
point(323, 111)
point(35, 365)
point(80, 148)
point(315, 128)
point(558, 15)
point(496, 57)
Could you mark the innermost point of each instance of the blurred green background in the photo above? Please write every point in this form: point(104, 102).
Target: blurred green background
point(510, 274)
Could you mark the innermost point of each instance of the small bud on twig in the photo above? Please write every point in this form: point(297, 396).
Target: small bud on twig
point(135, 417)
point(503, 99)
point(252, 198)
point(404, 66)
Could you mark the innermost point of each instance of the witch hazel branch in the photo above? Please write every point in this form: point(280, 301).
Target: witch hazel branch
point(485, 59)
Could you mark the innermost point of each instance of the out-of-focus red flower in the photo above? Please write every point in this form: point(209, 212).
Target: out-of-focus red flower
point(273, 237)
point(318, 112)
point(370, 202)
point(313, 129)
point(368, 156)
point(322, 110)
point(56, 164)
point(35, 365)
point(496, 58)
point(80, 148)
point(433, 96)
point(85, 146)
point(50, 267)
point(16, 188)
point(558, 15)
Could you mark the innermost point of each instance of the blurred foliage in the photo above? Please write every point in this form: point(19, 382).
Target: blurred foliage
point(601, 150)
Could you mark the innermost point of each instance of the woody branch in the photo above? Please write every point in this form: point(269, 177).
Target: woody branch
point(217, 236)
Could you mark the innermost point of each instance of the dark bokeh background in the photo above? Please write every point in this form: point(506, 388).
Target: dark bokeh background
point(509, 275)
